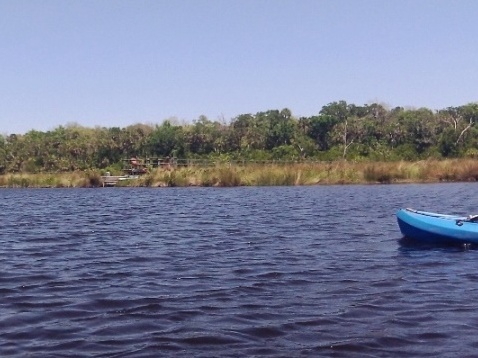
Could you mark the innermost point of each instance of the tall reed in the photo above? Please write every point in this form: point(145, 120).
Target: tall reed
point(225, 175)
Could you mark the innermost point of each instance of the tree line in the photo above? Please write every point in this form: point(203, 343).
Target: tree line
point(339, 131)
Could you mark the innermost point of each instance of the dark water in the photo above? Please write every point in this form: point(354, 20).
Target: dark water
point(205, 272)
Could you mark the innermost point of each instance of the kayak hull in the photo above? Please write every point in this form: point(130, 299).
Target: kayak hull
point(436, 228)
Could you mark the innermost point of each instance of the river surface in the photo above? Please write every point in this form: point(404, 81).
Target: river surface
point(241, 272)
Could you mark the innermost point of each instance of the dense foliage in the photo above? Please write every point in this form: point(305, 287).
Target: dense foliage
point(339, 131)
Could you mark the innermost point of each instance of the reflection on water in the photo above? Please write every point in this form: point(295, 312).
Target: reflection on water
point(410, 244)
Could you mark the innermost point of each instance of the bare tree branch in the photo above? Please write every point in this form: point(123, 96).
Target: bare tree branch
point(464, 130)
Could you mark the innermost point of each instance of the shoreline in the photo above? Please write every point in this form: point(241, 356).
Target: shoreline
point(299, 174)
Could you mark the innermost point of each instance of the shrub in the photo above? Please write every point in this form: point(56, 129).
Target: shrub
point(228, 177)
point(93, 179)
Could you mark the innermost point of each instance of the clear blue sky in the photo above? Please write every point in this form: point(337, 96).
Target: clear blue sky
point(115, 63)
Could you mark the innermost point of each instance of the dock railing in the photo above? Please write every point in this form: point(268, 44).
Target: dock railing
point(167, 162)
point(213, 163)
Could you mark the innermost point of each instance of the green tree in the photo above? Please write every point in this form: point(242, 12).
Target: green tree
point(204, 137)
point(281, 128)
point(320, 129)
point(3, 155)
point(167, 140)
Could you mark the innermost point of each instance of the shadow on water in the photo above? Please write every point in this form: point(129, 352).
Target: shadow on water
point(408, 244)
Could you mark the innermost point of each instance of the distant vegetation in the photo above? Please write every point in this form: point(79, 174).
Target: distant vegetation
point(369, 133)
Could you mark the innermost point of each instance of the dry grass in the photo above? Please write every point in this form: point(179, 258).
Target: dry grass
point(340, 172)
point(48, 180)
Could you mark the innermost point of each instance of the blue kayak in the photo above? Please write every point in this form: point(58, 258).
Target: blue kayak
point(438, 228)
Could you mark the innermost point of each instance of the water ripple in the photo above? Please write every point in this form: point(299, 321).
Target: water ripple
point(280, 272)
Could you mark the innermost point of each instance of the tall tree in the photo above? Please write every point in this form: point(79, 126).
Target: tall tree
point(167, 140)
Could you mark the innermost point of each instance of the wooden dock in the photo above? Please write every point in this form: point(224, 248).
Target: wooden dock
point(112, 180)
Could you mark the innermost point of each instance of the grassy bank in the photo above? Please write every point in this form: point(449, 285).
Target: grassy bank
point(430, 171)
